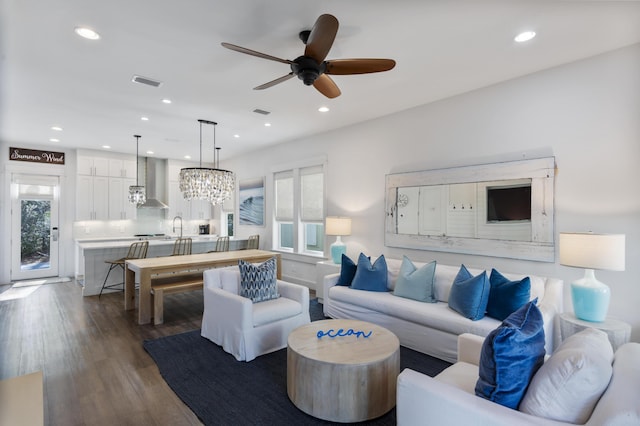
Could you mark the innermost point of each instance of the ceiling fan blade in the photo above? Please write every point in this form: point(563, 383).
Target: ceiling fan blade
point(321, 37)
point(358, 66)
point(255, 53)
point(326, 86)
point(274, 82)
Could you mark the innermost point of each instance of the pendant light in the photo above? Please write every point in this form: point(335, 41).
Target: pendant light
point(202, 183)
point(137, 194)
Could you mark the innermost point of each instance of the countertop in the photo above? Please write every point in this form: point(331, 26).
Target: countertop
point(107, 242)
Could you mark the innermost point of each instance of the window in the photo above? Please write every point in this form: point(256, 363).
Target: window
point(299, 210)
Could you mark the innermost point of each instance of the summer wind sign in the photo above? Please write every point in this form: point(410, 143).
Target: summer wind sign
point(36, 156)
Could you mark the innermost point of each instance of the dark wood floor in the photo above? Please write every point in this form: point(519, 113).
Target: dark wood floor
point(95, 369)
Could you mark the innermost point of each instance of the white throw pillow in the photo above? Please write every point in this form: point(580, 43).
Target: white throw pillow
point(568, 386)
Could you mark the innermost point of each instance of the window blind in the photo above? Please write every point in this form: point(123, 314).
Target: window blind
point(312, 189)
point(284, 196)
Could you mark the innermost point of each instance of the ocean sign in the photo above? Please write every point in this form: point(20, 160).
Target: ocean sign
point(343, 333)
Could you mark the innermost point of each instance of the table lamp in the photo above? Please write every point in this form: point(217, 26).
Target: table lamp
point(591, 251)
point(338, 226)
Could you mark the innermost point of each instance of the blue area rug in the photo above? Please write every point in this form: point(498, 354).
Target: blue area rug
point(223, 391)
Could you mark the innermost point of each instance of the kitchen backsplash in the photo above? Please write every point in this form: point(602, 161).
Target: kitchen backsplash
point(128, 228)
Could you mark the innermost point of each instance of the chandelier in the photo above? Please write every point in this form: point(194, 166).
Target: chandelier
point(137, 194)
point(202, 183)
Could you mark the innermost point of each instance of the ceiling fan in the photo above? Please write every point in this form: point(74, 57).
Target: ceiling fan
point(311, 67)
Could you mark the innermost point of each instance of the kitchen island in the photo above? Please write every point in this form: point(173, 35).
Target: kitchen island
point(91, 256)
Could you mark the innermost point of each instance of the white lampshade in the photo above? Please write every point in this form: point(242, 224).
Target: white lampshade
point(593, 251)
point(591, 297)
point(338, 225)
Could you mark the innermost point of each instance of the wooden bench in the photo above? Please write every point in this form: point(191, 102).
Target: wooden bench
point(174, 283)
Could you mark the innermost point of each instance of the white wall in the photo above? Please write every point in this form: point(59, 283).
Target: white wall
point(586, 114)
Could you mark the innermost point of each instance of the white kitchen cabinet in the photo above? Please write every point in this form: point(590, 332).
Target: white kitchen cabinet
point(119, 206)
point(92, 197)
point(178, 206)
point(122, 168)
point(102, 187)
point(201, 210)
point(92, 166)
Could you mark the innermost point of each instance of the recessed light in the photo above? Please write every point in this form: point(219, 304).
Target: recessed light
point(149, 152)
point(106, 146)
point(267, 124)
point(166, 101)
point(525, 36)
point(236, 136)
point(87, 33)
point(188, 157)
point(144, 118)
point(56, 128)
point(54, 140)
point(323, 109)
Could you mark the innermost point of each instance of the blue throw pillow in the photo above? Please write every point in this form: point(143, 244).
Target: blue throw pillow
point(469, 294)
point(258, 282)
point(414, 283)
point(511, 355)
point(506, 297)
point(347, 271)
point(370, 277)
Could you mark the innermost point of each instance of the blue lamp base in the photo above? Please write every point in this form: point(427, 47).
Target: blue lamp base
point(590, 298)
point(337, 250)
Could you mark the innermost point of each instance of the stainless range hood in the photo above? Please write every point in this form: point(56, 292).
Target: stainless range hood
point(155, 172)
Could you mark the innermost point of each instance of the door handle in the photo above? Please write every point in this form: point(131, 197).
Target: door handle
point(54, 233)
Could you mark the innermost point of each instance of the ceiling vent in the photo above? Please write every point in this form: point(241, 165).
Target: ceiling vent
point(261, 111)
point(145, 80)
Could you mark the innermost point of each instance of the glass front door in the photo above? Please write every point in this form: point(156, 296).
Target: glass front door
point(35, 227)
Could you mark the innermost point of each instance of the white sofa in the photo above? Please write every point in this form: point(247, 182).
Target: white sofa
point(246, 329)
point(433, 328)
point(449, 398)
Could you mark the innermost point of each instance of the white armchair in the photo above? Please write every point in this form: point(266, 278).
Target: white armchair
point(449, 398)
point(246, 329)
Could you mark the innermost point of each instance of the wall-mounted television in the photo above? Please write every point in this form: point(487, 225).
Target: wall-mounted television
point(509, 203)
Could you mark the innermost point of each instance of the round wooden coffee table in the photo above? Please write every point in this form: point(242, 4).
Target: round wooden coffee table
point(346, 378)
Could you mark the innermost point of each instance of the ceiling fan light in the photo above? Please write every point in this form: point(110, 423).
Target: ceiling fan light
point(308, 77)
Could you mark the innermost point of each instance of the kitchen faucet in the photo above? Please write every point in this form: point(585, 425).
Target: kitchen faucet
point(174, 225)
